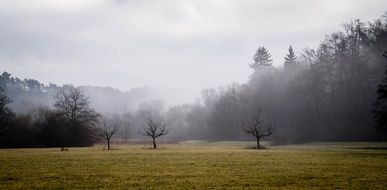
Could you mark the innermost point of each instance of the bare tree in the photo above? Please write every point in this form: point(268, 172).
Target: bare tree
point(125, 131)
point(6, 114)
point(155, 126)
point(256, 126)
point(108, 130)
point(75, 107)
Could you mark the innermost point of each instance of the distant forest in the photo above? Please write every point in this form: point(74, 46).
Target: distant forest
point(322, 94)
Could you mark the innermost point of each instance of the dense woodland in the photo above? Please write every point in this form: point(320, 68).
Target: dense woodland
point(322, 94)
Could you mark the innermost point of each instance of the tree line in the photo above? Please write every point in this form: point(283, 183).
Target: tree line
point(334, 92)
point(322, 94)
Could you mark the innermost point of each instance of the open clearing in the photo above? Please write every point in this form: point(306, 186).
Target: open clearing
point(198, 165)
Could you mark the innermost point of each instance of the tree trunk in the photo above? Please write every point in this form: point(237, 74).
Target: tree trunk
point(258, 146)
point(154, 143)
point(108, 141)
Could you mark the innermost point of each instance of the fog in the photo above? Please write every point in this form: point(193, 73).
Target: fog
point(289, 72)
point(178, 47)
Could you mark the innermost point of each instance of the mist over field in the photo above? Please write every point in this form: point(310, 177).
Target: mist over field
point(178, 47)
point(184, 94)
point(205, 67)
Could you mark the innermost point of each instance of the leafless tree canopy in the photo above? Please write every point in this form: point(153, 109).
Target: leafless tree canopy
point(256, 126)
point(108, 130)
point(125, 131)
point(155, 126)
point(75, 106)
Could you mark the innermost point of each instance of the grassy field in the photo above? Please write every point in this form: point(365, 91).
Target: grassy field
point(198, 165)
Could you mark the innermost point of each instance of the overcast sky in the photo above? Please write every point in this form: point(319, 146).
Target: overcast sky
point(182, 46)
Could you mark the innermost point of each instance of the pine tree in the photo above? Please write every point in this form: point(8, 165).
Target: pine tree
point(290, 59)
point(380, 110)
point(262, 59)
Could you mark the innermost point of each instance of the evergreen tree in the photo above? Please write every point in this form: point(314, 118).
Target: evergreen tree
point(290, 59)
point(262, 59)
point(380, 110)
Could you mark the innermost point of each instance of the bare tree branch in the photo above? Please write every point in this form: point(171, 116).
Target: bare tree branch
point(155, 126)
point(256, 126)
point(75, 107)
point(108, 130)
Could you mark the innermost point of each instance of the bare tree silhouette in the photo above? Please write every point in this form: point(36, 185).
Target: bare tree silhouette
point(256, 126)
point(155, 126)
point(108, 130)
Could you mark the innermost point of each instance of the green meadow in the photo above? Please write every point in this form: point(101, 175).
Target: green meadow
point(198, 165)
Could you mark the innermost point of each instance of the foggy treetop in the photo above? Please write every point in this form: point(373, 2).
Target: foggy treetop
point(324, 94)
point(176, 45)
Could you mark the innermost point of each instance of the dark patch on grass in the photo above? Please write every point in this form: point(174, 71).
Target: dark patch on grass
point(151, 148)
point(111, 149)
point(7, 178)
point(370, 148)
point(255, 147)
point(371, 153)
